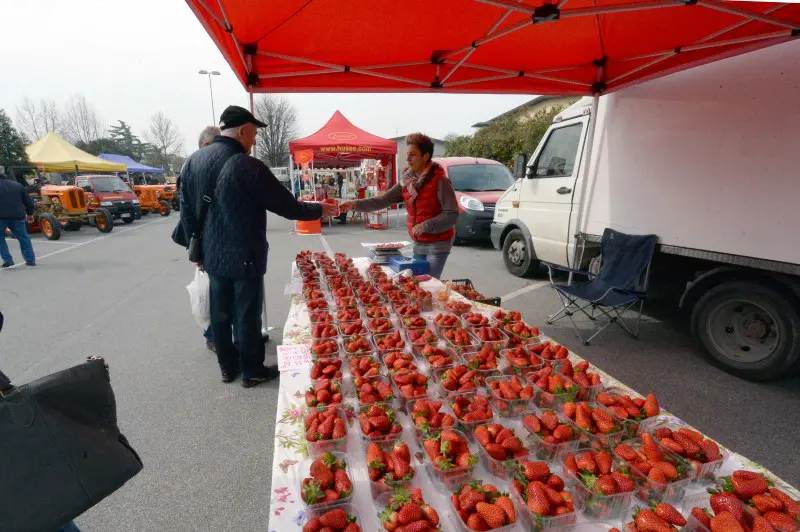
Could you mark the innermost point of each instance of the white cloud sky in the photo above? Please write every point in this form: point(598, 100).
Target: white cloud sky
point(132, 59)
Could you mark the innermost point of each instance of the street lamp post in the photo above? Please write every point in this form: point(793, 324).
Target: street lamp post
point(210, 73)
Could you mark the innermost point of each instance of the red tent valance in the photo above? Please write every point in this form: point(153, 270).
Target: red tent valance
point(340, 141)
point(571, 47)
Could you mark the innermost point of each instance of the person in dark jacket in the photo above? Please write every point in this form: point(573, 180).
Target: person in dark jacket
point(16, 208)
point(234, 238)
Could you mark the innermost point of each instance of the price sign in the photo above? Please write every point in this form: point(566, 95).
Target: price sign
point(293, 356)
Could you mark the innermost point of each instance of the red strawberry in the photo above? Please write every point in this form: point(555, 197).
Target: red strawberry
point(668, 513)
point(606, 484)
point(334, 519)
point(651, 407)
point(702, 516)
point(571, 463)
point(746, 484)
point(555, 482)
point(651, 449)
point(624, 483)
point(792, 506)
point(725, 522)
point(538, 502)
point(782, 521)
point(312, 525)
point(648, 521)
point(603, 460)
point(586, 461)
point(342, 483)
point(721, 502)
point(625, 452)
point(761, 524)
point(535, 470)
point(409, 513)
point(508, 508)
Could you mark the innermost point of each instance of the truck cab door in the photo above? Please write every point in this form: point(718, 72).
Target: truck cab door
point(548, 199)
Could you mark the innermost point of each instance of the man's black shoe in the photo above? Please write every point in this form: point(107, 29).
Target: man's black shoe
point(270, 373)
point(211, 346)
point(228, 376)
point(7, 264)
point(30, 264)
point(265, 337)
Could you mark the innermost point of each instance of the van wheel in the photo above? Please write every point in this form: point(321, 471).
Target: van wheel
point(517, 255)
point(163, 207)
point(50, 226)
point(128, 220)
point(748, 329)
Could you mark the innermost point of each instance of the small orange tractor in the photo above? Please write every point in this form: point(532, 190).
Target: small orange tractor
point(64, 207)
point(151, 199)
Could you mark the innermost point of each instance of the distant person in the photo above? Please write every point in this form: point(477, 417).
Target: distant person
point(234, 238)
point(431, 205)
point(296, 189)
point(16, 208)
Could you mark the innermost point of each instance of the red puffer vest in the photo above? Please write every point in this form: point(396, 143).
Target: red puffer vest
point(426, 206)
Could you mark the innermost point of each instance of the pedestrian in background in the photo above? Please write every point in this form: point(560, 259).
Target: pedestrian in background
point(234, 238)
point(431, 205)
point(16, 209)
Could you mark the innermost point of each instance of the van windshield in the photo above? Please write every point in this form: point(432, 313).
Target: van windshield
point(480, 177)
point(109, 184)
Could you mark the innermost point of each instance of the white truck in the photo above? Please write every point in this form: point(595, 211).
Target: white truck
point(708, 160)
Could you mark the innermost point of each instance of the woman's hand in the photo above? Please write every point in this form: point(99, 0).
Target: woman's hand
point(417, 230)
point(347, 205)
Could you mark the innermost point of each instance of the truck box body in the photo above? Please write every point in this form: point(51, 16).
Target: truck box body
point(707, 159)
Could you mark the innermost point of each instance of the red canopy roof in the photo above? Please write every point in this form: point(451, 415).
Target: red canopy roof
point(340, 141)
point(493, 46)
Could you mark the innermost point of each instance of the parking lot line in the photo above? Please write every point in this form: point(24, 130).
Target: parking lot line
point(82, 243)
point(524, 290)
point(66, 243)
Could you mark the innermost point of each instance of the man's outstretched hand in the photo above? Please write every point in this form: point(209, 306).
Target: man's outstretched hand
point(347, 205)
point(329, 210)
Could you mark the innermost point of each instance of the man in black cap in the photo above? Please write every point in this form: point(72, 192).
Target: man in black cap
point(234, 237)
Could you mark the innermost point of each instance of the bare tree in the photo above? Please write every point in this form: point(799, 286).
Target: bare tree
point(81, 122)
point(165, 138)
point(51, 117)
point(28, 119)
point(281, 119)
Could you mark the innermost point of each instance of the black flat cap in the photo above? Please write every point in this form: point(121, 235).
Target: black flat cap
point(235, 116)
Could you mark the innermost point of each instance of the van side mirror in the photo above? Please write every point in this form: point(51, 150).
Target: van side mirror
point(520, 163)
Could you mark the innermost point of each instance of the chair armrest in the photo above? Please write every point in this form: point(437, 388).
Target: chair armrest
point(637, 293)
point(551, 266)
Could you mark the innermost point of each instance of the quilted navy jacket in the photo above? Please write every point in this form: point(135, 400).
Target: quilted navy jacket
point(14, 201)
point(235, 232)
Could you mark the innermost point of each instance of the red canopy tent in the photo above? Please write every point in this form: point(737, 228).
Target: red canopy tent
point(340, 143)
point(571, 47)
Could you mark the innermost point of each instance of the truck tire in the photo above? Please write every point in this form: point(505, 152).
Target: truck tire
point(128, 220)
point(163, 207)
point(748, 329)
point(104, 221)
point(51, 229)
point(517, 255)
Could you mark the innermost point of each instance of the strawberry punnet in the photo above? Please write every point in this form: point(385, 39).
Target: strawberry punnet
point(482, 506)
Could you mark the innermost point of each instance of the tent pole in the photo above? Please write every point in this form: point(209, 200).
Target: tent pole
point(255, 146)
point(291, 184)
point(582, 206)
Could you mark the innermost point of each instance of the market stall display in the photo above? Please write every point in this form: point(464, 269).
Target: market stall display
point(466, 424)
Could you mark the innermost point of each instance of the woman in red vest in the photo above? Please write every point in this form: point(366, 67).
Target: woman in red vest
point(431, 205)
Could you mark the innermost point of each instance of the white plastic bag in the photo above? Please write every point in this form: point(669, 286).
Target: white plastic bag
point(200, 299)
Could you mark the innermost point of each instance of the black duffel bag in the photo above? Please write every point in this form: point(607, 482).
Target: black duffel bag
point(61, 451)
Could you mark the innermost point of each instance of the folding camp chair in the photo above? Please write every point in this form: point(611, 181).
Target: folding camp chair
point(619, 284)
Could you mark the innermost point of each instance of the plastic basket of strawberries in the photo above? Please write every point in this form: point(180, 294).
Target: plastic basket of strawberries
point(349, 328)
point(603, 484)
point(357, 344)
point(326, 348)
point(485, 360)
point(588, 381)
point(326, 368)
point(379, 424)
point(390, 466)
point(422, 298)
point(490, 337)
point(456, 380)
point(313, 292)
point(321, 331)
point(438, 357)
point(662, 475)
point(703, 454)
point(481, 506)
point(376, 311)
point(408, 309)
point(386, 343)
point(659, 517)
point(457, 307)
point(520, 361)
point(509, 397)
point(320, 316)
point(471, 410)
point(597, 424)
point(380, 325)
point(324, 392)
point(451, 459)
point(378, 390)
point(410, 385)
point(427, 416)
point(762, 500)
point(550, 353)
point(344, 518)
point(550, 433)
point(459, 339)
point(520, 333)
point(540, 495)
point(414, 322)
point(404, 510)
point(442, 321)
point(326, 430)
point(328, 482)
point(500, 449)
point(502, 317)
point(395, 361)
point(348, 315)
point(420, 338)
point(316, 304)
point(635, 413)
point(369, 297)
point(366, 367)
point(552, 389)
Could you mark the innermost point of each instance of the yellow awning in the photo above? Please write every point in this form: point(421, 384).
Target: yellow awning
point(53, 154)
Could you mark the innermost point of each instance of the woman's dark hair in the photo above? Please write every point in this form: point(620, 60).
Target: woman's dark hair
point(422, 142)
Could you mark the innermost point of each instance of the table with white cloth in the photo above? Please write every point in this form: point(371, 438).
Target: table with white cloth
point(287, 510)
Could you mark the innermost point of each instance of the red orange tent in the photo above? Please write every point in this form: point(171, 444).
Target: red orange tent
point(576, 47)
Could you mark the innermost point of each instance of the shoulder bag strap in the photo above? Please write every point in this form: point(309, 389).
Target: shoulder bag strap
point(208, 195)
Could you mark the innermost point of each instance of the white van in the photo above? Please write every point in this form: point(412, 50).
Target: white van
point(709, 160)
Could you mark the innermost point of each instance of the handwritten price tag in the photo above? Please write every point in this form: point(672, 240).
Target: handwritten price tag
point(293, 357)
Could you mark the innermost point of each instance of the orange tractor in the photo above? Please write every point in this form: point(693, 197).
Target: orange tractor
point(151, 198)
point(64, 207)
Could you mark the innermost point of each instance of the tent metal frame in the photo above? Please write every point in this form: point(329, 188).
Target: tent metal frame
point(538, 15)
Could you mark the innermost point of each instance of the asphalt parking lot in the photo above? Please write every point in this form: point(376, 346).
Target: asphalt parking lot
point(207, 446)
